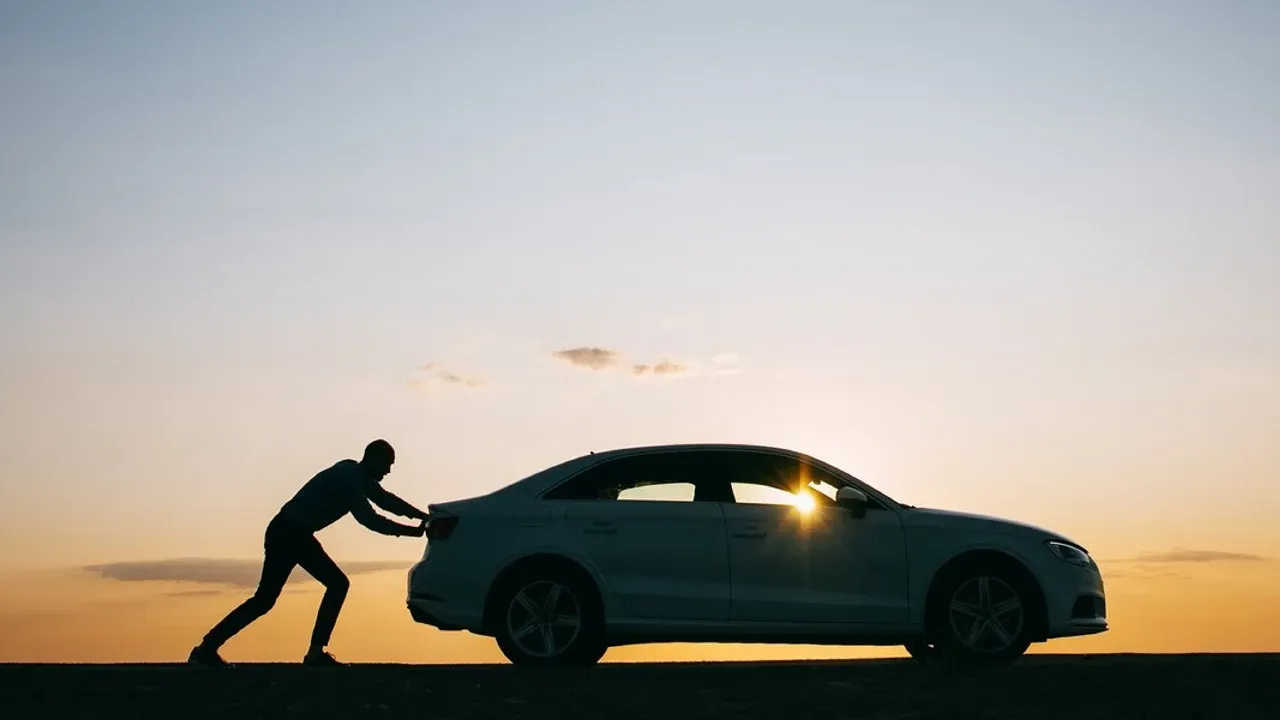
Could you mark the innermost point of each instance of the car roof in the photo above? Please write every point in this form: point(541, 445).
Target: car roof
point(694, 446)
point(543, 480)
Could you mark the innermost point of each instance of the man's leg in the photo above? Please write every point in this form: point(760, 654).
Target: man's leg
point(277, 563)
point(320, 566)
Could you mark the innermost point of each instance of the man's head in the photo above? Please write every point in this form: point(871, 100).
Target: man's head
point(378, 458)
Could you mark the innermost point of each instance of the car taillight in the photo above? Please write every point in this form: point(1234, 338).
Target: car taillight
point(439, 528)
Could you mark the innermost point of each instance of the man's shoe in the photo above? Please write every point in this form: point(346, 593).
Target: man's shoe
point(206, 657)
point(320, 658)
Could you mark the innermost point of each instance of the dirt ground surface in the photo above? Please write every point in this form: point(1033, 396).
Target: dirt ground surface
point(1238, 687)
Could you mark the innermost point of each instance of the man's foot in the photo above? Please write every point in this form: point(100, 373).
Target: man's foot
point(320, 658)
point(208, 657)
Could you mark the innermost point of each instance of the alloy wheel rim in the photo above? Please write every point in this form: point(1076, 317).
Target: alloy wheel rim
point(986, 614)
point(544, 618)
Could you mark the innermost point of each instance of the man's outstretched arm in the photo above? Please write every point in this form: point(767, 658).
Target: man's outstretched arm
point(368, 517)
point(386, 500)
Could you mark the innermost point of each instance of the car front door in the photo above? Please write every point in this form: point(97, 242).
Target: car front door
point(813, 561)
point(662, 554)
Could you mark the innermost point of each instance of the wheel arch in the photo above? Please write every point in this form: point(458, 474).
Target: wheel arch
point(543, 560)
point(988, 557)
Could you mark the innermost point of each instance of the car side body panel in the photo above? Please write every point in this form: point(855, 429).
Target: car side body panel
point(673, 581)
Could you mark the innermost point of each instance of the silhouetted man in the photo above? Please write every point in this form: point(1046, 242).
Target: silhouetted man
point(347, 487)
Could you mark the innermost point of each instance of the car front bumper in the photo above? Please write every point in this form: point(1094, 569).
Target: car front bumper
point(1077, 602)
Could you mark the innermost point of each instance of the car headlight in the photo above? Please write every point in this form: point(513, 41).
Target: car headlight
point(1070, 553)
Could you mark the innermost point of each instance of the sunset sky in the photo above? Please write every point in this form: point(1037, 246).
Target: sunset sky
point(1014, 258)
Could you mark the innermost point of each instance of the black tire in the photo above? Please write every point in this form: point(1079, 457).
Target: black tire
point(523, 608)
point(982, 615)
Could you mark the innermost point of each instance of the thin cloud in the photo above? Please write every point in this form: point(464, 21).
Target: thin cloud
point(596, 358)
point(1185, 555)
point(665, 367)
point(590, 357)
point(669, 368)
point(456, 379)
point(217, 571)
point(1135, 571)
point(436, 375)
point(726, 359)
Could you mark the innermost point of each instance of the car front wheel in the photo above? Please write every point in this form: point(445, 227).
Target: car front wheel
point(983, 617)
point(550, 620)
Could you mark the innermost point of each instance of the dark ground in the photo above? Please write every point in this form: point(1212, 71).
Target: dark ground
point(1238, 687)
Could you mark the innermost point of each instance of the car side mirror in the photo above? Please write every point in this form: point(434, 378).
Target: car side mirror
point(853, 500)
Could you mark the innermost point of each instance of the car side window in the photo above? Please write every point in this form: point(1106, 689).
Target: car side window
point(660, 492)
point(770, 479)
point(755, 494)
point(655, 477)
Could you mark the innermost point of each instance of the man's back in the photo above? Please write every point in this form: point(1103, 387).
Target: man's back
point(325, 498)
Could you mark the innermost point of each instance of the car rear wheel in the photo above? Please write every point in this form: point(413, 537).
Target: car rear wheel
point(983, 616)
point(550, 619)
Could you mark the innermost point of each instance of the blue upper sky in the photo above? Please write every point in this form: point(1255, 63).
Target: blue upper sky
point(1007, 255)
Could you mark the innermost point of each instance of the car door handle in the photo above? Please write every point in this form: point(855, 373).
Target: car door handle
point(601, 527)
point(750, 531)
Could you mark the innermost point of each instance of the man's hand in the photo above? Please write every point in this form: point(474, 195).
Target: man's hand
point(421, 529)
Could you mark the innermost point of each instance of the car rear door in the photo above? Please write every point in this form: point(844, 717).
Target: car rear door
point(661, 554)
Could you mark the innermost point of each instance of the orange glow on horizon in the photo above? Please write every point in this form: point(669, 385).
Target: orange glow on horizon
point(69, 616)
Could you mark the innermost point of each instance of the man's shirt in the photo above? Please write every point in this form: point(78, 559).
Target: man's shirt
point(339, 490)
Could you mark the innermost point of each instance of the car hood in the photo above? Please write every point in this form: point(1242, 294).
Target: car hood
point(951, 519)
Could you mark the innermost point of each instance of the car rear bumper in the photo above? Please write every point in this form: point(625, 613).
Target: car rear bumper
point(438, 604)
point(426, 617)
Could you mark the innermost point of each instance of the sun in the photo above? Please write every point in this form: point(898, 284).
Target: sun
point(804, 502)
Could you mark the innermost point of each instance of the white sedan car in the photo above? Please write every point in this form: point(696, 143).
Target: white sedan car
point(738, 543)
